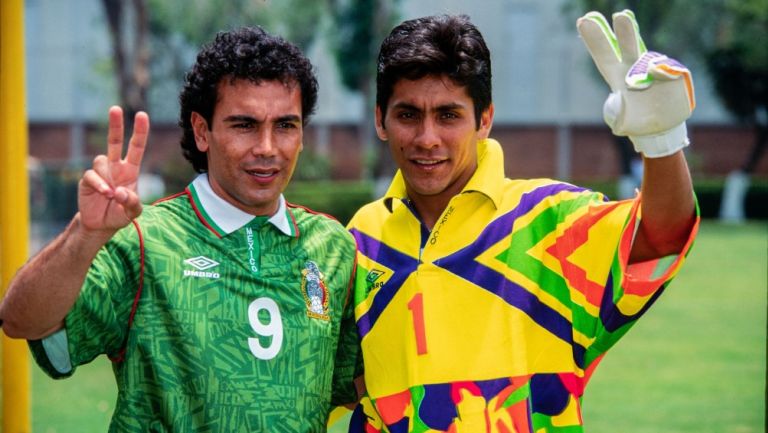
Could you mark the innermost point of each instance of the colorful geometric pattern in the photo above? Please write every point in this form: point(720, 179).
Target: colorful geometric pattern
point(223, 338)
point(494, 320)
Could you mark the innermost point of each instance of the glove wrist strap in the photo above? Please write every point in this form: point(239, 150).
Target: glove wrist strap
point(663, 144)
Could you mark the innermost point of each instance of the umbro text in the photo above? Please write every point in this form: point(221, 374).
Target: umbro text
point(201, 274)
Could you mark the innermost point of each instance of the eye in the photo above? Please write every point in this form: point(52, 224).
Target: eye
point(287, 125)
point(243, 125)
point(449, 115)
point(406, 115)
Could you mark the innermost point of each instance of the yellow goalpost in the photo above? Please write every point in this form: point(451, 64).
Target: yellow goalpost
point(14, 206)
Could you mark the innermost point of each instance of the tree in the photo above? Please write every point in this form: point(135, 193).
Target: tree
point(196, 22)
point(128, 24)
point(725, 35)
point(360, 26)
point(738, 63)
point(176, 29)
point(656, 19)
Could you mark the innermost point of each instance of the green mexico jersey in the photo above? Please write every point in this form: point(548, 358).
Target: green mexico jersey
point(218, 321)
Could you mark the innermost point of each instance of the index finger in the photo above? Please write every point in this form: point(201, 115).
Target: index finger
point(601, 44)
point(138, 139)
point(115, 134)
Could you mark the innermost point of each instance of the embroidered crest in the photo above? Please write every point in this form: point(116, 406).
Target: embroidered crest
point(314, 291)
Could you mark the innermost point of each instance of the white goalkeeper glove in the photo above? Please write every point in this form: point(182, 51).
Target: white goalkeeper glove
point(651, 94)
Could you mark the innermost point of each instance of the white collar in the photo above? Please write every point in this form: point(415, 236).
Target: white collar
point(225, 218)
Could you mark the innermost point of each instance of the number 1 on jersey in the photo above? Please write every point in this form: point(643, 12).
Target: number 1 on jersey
point(416, 305)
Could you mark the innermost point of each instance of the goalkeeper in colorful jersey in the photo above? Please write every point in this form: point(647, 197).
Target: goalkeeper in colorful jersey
point(223, 308)
point(483, 303)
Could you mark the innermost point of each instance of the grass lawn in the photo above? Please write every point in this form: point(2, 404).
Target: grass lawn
point(695, 363)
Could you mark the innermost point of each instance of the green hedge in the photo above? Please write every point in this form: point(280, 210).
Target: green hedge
point(338, 199)
point(56, 196)
point(342, 199)
point(709, 193)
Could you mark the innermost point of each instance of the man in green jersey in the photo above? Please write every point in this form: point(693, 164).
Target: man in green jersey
point(223, 308)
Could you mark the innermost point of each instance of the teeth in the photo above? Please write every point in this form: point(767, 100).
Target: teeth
point(427, 161)
point(261, 173)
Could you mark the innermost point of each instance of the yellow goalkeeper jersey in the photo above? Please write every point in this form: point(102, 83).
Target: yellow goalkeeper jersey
point(494, 320)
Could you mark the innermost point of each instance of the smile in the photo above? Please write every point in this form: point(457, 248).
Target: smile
point(428, 162)
point(262, 174)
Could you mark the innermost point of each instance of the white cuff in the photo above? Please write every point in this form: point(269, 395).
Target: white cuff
point(56, 348)
point(663, 144)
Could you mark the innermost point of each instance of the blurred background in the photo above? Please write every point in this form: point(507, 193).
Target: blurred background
point(83, 56)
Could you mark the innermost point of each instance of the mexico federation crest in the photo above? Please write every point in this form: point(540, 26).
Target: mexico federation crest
point(314, 291)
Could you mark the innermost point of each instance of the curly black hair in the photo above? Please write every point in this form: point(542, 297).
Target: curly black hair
point(248, 53)
point(447, 45)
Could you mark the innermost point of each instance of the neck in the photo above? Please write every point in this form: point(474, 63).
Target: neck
point(429, 208)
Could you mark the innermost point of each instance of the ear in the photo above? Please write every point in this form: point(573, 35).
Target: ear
point(486, 121)
point(200, 128)
point(380, 130)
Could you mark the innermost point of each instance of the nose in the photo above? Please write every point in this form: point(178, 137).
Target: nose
point(427, 134)
point(264, 143)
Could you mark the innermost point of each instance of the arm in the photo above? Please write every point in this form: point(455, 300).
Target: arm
point(667, 208)
point(44, 290)
point(651, 97)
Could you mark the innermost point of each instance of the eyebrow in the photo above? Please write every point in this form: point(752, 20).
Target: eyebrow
point(444, 107)
point(246, 118)
point(289, 118)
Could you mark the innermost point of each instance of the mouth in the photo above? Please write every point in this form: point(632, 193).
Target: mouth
point(428, 163)
point(262, 174)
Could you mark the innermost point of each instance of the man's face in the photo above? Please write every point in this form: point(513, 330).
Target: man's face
point(253, 143)
point(432, 133)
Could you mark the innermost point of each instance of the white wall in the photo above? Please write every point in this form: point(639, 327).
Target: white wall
point(66, 46)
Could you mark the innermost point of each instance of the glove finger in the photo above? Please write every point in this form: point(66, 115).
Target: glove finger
point(602, 46)
point(628, 36)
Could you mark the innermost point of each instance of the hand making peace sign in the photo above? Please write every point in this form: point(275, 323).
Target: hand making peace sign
point(107, 197)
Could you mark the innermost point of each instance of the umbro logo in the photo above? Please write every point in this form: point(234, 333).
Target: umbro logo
point(373, 275)
point(202, 264)
point(372, 279)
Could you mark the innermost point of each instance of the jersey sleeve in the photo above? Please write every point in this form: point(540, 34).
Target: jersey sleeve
point(98, 321)
point(607, 294)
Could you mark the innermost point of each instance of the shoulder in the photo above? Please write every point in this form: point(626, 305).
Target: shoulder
point(313, 224)
point(168, 207)
point(543, 189)
point(374, 214)
point(170, 214)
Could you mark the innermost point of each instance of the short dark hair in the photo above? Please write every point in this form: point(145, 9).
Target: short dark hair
point(447, 45)
point(248, 53)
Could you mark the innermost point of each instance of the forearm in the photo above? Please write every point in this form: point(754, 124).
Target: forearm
point(667, 208)
point(44, 290)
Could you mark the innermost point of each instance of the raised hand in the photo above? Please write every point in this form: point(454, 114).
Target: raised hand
point(652, 94)
point(107, 198)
